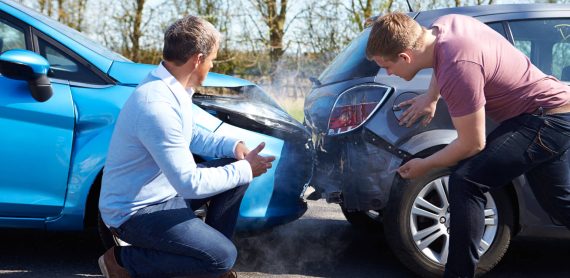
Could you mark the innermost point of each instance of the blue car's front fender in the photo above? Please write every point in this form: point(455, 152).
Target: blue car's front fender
point(97, 111)
point(88, 162)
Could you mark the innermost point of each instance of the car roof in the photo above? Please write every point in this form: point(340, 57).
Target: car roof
point(427, 17)
point(129, 73)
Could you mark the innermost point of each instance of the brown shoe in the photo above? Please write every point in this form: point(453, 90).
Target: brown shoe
point(109, 266)
point(229, 274)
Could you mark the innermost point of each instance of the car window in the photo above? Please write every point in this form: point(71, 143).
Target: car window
point(11, 37)
point(71, 33)
point(498, 27)
point(561, 60)
point(524, 47)
point(546, 42)
point(351, 62)
point(65, 67)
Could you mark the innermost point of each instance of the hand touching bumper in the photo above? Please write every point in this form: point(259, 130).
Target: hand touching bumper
point(259, 164)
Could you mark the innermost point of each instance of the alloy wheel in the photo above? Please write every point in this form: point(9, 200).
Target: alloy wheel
point(430, 218)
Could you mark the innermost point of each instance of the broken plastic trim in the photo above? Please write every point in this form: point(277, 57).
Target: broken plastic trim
point(249, 107)
point(381, 142)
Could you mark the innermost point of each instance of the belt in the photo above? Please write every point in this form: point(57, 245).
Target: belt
point(557, 110)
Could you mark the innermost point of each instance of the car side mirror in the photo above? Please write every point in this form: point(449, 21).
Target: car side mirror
point(28, 66)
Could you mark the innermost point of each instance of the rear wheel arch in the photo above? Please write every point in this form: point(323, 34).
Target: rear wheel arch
point(428, 142)
point(92, 216)
point(426, 152)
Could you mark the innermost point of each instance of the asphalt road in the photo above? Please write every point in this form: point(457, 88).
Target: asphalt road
point(320, 244)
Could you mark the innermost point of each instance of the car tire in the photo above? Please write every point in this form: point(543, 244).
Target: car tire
point(104, 233)
point(421, 256)
point(363, 220)
point(107, 238)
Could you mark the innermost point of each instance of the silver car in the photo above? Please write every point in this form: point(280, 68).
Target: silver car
point(353, 119)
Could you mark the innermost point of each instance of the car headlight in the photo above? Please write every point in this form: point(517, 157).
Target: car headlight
point(248, 107)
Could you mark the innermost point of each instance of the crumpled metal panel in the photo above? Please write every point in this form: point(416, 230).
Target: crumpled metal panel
point(368, 173)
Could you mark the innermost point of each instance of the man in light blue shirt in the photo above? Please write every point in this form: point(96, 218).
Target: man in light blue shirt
point(151, 182)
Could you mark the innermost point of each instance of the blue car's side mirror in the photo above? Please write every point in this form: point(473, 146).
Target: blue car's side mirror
point(26, 65)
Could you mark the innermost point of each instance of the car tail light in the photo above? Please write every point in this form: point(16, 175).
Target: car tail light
point(354, 106)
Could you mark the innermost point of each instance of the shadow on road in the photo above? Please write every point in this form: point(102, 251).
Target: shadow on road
point(319, 248)
point(535, 258)
point(43, 254)
point(315, 247)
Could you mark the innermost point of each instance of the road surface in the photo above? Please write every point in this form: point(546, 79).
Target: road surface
point(320, 244)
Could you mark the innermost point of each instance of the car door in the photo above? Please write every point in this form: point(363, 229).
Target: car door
point(35, 139)
point(546, 41)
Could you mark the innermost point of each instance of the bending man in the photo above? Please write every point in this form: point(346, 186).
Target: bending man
point(478, 76)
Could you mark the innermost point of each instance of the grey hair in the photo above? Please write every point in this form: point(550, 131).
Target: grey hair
point(188, 36)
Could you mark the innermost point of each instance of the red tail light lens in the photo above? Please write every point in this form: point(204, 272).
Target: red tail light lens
point(354, 107)
point(350, 116)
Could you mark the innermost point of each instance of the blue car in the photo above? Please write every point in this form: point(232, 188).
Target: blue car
point(60, 96)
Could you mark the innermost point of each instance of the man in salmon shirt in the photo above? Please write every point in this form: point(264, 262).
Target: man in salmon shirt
point(480, 76)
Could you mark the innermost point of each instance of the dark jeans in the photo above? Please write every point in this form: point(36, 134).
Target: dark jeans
point(535, 145)
point(168, 240)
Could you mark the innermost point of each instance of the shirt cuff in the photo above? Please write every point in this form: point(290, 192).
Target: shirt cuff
point(233, 154)
point(230, 147)
point(246, 174)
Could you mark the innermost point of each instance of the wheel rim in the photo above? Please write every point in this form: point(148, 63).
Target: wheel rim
point(429, 221)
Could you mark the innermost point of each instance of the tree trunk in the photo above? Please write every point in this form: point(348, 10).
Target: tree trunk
point(276, 22)
point(46, 7)
point(136, 32)
point(62, 15)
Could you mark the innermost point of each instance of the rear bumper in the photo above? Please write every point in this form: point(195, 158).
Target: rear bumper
point(354, 172)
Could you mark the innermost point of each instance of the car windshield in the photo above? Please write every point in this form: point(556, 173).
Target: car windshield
point(351, 62)
point(72, 33)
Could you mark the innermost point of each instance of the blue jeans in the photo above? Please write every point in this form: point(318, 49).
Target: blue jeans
point(167, 239)
point(535, 145)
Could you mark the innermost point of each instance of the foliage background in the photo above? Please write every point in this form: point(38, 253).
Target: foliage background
point(278, 44)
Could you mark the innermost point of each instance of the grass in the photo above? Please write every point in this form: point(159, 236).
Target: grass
point(294, 107)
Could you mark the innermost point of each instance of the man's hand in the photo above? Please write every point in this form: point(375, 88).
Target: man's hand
point(420, 106)
point(259, 164)
point(470, 141)
point(241, 151)
point(414, 168)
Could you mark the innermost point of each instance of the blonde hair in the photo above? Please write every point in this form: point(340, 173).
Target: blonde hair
point(392, 34)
